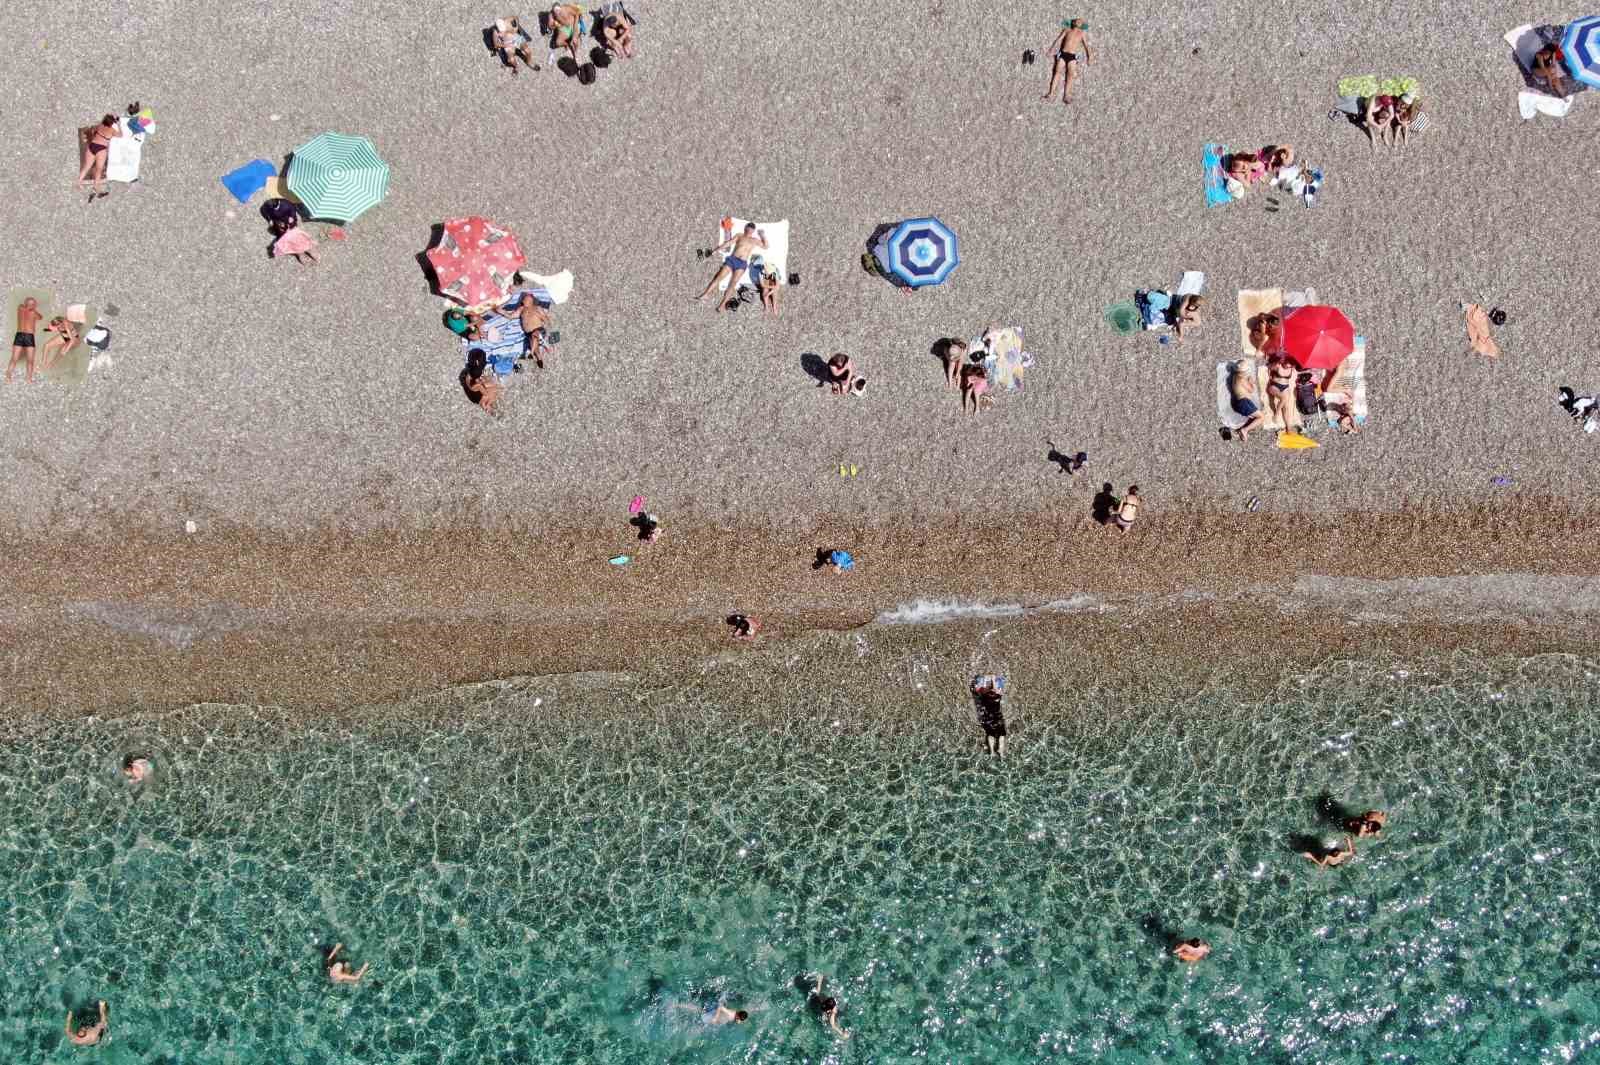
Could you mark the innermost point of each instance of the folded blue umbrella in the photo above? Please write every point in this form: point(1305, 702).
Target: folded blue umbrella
point(249, 179)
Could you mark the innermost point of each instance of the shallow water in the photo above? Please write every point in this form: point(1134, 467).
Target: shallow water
point(546, 881)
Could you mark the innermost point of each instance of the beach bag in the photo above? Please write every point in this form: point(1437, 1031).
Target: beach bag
point(1305, 395)
point(586, 74)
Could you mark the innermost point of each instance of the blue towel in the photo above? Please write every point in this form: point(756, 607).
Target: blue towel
point(513, 342)
point(249, 179)
point(1216, 187)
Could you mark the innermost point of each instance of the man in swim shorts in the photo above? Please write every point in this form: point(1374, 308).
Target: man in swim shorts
point(1071, 49)
point(566, 28)
point(1242, 393)
point(22, 344)
point(744, 246)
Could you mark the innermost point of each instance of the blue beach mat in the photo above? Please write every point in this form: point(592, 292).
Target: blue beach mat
point(1216, 188)
point(510, 343)
point(249, 179)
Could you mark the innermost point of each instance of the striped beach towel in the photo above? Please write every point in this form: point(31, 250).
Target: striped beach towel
point(504, 341)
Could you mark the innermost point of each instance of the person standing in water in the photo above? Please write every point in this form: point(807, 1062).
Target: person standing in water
point(826, 1007)
point(339, 971)
point(88, 1035)
point(1070, 49)
point(136, 768)
point(989, 692)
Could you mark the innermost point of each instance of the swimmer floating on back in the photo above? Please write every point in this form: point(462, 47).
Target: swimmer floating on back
point(339, 971)
point(89, 1034)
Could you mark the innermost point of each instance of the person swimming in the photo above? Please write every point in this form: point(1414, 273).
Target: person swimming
point(89, 1034)
point(1190, 951)
point(1369, 823)
point(1324, 857)
point(826, 1007)
point(136, 768)
point(339, 972)
point(716, 1015)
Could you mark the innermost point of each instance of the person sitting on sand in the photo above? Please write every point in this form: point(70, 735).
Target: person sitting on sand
point(1548, 65)
point(841, 374)
point(89, 1034)
point(1190, 951)
point(743, 247)
point(566, 28)
point(617, 33)
point(339, 971)
point(826, 1007)
point(744, 626)
point(136, 768)
point(1378, 120)
point(975, 387)
point(1070, 49)
point(1185, 313)
point(1330, 856)
point(769, 291)
point(839, 561)
point(1368, 823)
point(1242, 397)
point(479, 382)
point(1128, 509)
point(64, 340)
point(297, 242)
point(467, 324)
point(1243, 170)
point(513, 44)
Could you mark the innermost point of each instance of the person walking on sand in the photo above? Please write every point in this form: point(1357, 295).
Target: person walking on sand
point(23, 342)
point(744, 246)
point(1190, 951)
point(339, 972)
point(826, 1007)
point(1070, 49)
point(98, 151)
point(1128, 509)
point(1330, 856)
point(88, 1035)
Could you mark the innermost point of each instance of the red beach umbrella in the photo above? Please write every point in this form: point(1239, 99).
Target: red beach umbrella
point(1317, 338)
point(475, 260)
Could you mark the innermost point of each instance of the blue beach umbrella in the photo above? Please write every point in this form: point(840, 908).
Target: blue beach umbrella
point(1581, 47)
point(920, 252)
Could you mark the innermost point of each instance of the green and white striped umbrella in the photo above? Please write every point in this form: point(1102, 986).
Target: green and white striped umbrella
point(337, 176)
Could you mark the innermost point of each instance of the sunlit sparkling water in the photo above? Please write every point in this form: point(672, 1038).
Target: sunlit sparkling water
point(547, 883)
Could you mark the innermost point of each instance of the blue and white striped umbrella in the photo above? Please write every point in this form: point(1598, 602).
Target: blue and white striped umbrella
point(920, 252)
point(1581, 46)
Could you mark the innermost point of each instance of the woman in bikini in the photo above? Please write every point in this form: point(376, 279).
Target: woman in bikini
point(512, 45)
point(479, 382)
point(1379, 120)
point(1405, 114)
point(64, 340)
point(94, 163)
point(1280, 379)
point(1128, 509)
point(955, 354)
point(617, 32)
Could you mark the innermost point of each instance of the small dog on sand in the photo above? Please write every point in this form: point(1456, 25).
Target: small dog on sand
point(1585, 410)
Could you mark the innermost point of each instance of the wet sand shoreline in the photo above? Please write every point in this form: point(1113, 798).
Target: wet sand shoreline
point(324, 622)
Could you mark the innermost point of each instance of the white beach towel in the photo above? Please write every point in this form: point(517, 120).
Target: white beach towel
point(1353, 379)
point(775, 255)
point(1192, 283)
point(553, 289)
point(124, 154)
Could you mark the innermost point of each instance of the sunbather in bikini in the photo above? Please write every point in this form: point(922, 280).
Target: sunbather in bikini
point(975, 387)
point(99, 150)
point(1070, 49)
point(744, 246)
point(1280, 379)
point(1378, 120)
point(1405, 114)
point(566, 28)
point(1547, 64)
point(64, 340)
point(955, 353)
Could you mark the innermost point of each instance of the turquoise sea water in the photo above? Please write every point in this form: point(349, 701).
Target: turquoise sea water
point(545, 881)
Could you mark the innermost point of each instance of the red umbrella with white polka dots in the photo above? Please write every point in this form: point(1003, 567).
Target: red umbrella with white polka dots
point(475, 260)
